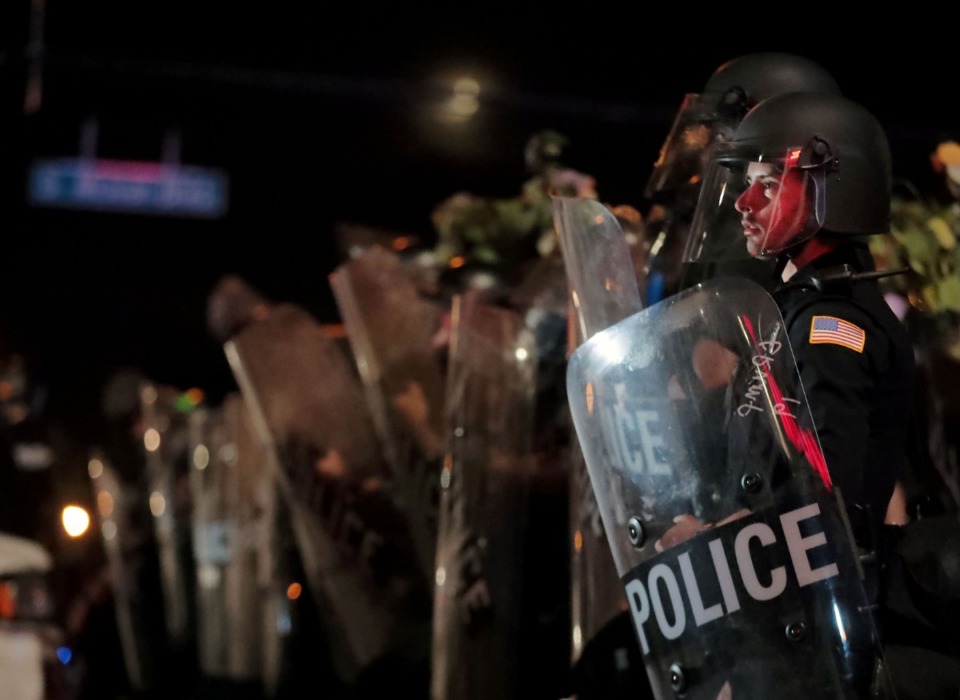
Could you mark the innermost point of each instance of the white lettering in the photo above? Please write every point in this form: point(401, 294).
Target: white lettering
point(748, 572)
point(756, 389)
point(798, 545)
point(640, 607)
point(730, 598)
point(663, 573)
point(664, 595)
point(700, 614)
point(651, 441)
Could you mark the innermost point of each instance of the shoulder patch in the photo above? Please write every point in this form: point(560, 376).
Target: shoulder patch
point(836, 331)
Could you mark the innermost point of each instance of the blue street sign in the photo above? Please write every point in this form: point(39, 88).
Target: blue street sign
point(132, 187)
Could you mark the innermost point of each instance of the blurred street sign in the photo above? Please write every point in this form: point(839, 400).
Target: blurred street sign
point(134, 187)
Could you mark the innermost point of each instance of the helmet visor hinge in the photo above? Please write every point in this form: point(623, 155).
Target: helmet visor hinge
point(817, 154)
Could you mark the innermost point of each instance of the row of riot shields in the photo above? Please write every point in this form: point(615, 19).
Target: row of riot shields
point(195, 537)
point(474, 487)
point(429, 509)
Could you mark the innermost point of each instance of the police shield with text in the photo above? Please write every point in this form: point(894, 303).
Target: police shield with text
point(736, 559)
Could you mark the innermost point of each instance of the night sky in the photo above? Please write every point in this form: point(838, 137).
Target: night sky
point(322, 119)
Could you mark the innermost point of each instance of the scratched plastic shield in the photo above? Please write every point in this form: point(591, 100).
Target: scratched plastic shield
point(485, 505)
point(232, 491)
point(307, 406)
point(392, 330)
point(729, 539)
point(166, 451)
point(603, 288)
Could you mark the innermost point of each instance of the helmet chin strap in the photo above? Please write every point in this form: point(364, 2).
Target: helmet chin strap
point(781, 264)
point(784, 256)
point(792, 251)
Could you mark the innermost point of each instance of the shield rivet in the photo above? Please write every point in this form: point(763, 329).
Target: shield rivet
point(796, 631)
point(678, 680)
point(635, 532)
point(751, 482)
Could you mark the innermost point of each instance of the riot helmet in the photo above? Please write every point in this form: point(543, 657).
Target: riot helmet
point(711, 116)
point(799, 164)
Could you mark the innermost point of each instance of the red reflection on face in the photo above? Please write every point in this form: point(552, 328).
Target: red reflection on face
point(774, 208)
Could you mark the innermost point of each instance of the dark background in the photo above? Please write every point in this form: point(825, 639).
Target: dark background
point(322, 115)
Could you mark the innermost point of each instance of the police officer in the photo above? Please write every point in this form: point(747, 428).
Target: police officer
point(703, 121)
point(814, 173)
point(610, 665)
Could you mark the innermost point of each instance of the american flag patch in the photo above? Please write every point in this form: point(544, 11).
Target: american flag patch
point(828, 329)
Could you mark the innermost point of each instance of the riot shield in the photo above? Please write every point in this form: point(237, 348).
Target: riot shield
point(484, 504)
point(731, 542)
point(231, 488)
point(307, 407)
point(603, 289)
point(166, 445)
point(391, 328)
point(116, 506)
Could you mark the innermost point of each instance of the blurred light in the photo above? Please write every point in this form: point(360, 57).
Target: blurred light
point(201, 457)
point(188, 400)
point(463, 106)
point(839, 619)
point(401, 243)
point(456, 261)
point(209, 576)
point(151, 440)
point(465, 101)
point(334, 330)
point(95, 468)
point(148, 394)
point(75, 520)
point(466, 87)
point(284, 623)
point(521, 354)
point(577, 541)
point(228, 453)
point(105, 503)
point(8, 604)
point(17, 412)
point(64, 654)
point(108, 530)
point(158, 504)
point(577, 637)
point(441, 576)
point(32, 456)
point(294, 590)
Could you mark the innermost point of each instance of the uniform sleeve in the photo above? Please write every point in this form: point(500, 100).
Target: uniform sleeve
point(839, 353)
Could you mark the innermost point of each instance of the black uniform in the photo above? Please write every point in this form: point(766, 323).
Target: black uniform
point(856, 366)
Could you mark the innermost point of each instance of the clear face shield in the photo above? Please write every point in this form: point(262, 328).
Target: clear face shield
point(687, 150)
point(757, 205)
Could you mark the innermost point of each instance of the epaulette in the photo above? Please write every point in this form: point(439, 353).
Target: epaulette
point(839, 277)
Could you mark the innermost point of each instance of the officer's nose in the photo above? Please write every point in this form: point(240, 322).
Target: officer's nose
point(746, 202)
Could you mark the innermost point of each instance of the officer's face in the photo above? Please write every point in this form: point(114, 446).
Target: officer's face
point(774, 208)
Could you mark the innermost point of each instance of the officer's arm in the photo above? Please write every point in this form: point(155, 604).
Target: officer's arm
point(838, 366)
